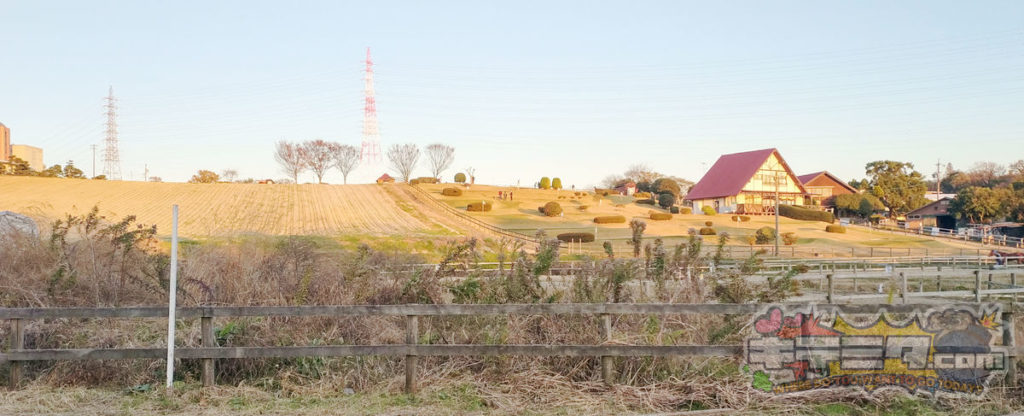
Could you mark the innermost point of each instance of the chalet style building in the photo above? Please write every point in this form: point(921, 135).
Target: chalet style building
point(935, 214)
point(823, 186)
point(745, 183)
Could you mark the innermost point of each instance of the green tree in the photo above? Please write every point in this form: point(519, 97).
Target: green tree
point(1015, 205)
point(977, 204)
point(898, 185)
point(205, 176)
point(857, 204)
point(54, 171)
point(556, 183)
point(17, 167)
point(666, 199)
point(460, 177)
point(666, 185)
point(70, 171)
point(866, 208)
point(545, 183)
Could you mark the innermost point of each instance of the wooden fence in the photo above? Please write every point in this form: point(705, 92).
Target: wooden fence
point(411, 349)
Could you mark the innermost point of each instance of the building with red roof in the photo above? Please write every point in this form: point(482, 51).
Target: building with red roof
point(746, 183)
point(385, 178)
point(824, 186)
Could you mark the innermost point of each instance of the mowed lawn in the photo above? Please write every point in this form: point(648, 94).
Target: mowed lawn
point(220, 209)
point(522, 214)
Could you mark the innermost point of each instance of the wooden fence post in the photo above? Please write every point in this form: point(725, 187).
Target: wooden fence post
point(977, 286)
point(411, 335)
point(903, 287)
point(830, 297)
point(17, 343)
point(938, 282)
point(1010, 341)
point(208, 340)
point(989, 285)
point(1013, 282)
point(607, 362)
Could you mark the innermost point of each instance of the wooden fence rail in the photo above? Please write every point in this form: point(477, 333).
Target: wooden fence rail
point(411, 350)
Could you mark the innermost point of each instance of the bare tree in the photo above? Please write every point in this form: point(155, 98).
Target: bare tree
point(641, 173)
point(292, 159)
point(441, 157)
point(471, 171)
point(346, 158)
point(229, 175)
point(319, 157)
point(403, 159)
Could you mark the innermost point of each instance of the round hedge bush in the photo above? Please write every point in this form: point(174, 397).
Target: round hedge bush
point(479, 206)
point(744, 218)
point(451, 192)
point(610, 219)
point(685, 210)
point(545, 183)
point(660, 216)
point(789, 238)
point(576, 237)
point(707, 231)
point(765, 235)
point(666, 199)
point(835, 228)
point(552, 209)
point(708, 210)
point(674, 210)
point(583, 207)
point(708, 223)
point(460, 177)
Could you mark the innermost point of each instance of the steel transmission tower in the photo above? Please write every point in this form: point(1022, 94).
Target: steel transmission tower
point(111, 159)
point(371, 133)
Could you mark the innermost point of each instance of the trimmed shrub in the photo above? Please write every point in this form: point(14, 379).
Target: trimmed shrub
point(674, 210)
point(620, 206)
point(540, 209)
point(552, 209)
point(735, 218)
point(660, 216)
point(707, 231)
point(708, 223)
point(545, 183)
point(666, 200)
point(805, 214)
point(460, 177)
point(645, 201)
point(750, 239)
point(451, 192)
point(602, 192)
point(423, 179)
point(835, 228)
point(479, 206)
point(765, 235)
point(708, 210)
point(685, 210)
point(583, 207)
point(744, 218)
point(576, 237)
point(610, 219)
point(556, 183)
point(789, 238)
point(666, 185)
point(642, 195)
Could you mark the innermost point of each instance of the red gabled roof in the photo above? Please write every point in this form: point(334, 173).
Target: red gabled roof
point(728, 175)
point(811, 176)
point(385, 177)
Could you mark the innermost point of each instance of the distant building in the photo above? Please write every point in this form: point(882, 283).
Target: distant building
point(5, 143)
point(31, 154)
point(935, 214)
point(385, 178)
point(932, 196)
point(745, 183)
point(626, 189)
point(823, 186)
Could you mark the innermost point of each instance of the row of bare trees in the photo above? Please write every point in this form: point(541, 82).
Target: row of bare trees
point(317, 156)
point(404, 157)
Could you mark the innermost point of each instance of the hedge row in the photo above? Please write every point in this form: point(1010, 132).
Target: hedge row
point(479, 206)
point(642, 195)
point(660, 216)
point(805, 214)
point(645, 201)
point(835, 228)
point(610, 219)
point(422, 180)
point(576, 237)
point(451, 192)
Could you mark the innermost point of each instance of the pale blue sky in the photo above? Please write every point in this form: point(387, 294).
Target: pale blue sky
point(522, 89)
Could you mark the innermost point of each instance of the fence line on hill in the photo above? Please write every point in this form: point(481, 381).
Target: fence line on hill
point(412, 349)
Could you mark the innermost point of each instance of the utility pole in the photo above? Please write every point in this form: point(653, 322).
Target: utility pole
point(938, 178)
point(93, 160)
point(777, 214)
point(145, 176)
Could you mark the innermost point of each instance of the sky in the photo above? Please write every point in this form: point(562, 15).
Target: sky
point(521, 89)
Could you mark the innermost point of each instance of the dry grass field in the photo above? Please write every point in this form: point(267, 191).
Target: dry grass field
point(224, 209)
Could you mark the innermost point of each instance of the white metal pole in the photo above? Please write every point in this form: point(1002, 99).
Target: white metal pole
point(171, 300)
